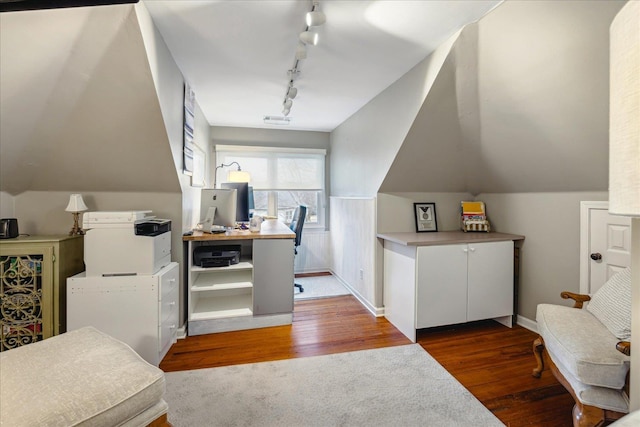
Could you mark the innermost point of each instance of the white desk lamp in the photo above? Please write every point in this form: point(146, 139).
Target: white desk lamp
point(76, 205)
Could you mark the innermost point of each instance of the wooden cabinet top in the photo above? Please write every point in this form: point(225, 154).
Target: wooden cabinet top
point(39, 239)
point(271, 229)
point(446, 237)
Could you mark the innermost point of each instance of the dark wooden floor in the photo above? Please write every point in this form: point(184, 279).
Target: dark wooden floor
point(492, 361)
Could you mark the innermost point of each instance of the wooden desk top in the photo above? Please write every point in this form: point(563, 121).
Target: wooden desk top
point(447, 238)
point(271, 229)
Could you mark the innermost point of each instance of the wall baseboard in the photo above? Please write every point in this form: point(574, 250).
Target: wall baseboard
point(376, 311)
point(182, 332)
point(528, 324)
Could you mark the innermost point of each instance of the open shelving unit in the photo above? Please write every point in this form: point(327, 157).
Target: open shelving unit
point(222, 292)
point(257, 292)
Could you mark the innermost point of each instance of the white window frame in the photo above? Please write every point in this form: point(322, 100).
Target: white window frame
point(272, 204)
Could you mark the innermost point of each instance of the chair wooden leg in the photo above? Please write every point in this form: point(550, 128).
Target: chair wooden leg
point(538, 348)
point(587, 416)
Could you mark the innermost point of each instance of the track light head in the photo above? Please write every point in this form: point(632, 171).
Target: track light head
point(315, 18)
point(293, 74)
point(309, 37)
point(301, 51)
point(287, 104)
point(292, 92)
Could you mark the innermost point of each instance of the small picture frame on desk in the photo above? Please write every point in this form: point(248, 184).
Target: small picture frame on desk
point(425, 214)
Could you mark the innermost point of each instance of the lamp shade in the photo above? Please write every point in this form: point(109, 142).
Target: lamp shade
point(238, 176)
point(76, 204)
point(624, 112)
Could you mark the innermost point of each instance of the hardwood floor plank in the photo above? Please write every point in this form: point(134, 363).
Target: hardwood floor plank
point(492, 361)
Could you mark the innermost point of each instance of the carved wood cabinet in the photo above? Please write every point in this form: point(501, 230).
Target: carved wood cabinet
point(34, 270)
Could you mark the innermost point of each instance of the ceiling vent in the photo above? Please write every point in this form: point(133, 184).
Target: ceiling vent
point(276, 120)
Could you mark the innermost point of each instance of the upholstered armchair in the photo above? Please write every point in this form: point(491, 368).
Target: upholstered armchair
point(587, 349)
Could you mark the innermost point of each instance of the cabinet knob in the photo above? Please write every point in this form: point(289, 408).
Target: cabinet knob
point(472, 249)
point(465, 250)
point(172, 303)
point(596, 256)
point(172, 327)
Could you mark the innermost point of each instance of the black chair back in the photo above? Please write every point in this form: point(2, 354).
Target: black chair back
point(298, 222)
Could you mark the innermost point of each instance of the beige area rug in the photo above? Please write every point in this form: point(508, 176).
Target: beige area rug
point(393, 386)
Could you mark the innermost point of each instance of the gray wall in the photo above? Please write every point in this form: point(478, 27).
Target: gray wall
point(105, 120)
point(517, 116)
point(364, 146)
point(79, 108)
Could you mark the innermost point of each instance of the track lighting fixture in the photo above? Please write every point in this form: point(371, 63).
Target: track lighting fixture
point(293, 74)
point(292, 92)
point(301, 51)
point(313, 18)
point(309, 37)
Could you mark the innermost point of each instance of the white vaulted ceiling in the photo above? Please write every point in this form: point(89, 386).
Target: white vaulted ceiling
point(235, 54)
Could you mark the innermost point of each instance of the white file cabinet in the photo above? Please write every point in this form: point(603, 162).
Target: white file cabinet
point(141, 311)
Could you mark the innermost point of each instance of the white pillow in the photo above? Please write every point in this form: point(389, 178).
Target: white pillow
point(611, 304)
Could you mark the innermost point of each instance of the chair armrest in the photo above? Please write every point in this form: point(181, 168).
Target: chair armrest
point(624, 347)
point(578, 298)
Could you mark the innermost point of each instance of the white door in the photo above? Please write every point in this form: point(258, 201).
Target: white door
point(605, 245)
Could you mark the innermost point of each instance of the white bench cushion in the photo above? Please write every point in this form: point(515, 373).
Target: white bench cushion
point(580, 343)
point(80, 378)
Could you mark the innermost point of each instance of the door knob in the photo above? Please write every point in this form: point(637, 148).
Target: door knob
point(596, 257)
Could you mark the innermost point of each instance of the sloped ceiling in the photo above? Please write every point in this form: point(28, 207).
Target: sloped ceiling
point(78, 106)
point(523, 113)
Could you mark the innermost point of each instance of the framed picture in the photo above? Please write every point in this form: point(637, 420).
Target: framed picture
point(425, 217)
point(189, 125)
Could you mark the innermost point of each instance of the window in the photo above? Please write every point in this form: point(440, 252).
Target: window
point(282, 179)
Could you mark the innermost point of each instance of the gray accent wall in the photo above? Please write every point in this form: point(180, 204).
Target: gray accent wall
point(92, 102)
point(516, 116)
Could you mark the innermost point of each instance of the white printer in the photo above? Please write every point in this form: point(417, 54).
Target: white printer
point(125, 243)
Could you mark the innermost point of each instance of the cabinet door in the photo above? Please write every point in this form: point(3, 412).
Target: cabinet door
point(442, 285)
point(26, 295)
point(490, 278)
point(272, 276)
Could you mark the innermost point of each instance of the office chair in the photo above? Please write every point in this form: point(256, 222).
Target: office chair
point(296, 226)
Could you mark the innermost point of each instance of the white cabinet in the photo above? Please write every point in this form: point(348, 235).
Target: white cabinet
point(448, 277)
point(464, 282)
point(141, 311)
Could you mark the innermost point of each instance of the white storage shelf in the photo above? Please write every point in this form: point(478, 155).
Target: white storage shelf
point(242, 265)
point(207, 281)
point(221, 292)
point(218, 305)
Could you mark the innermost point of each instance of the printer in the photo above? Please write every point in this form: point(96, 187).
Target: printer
point(125, 243)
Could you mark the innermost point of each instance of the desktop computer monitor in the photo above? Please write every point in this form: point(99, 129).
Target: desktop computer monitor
point(218, 207)
point(242, 211)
